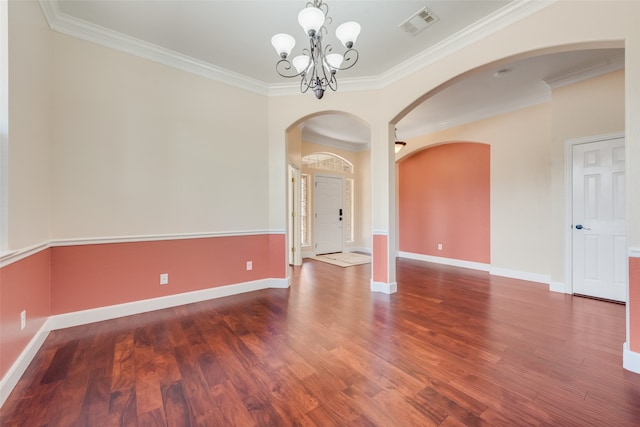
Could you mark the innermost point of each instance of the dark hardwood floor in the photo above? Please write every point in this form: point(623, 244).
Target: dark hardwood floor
point(453, 347)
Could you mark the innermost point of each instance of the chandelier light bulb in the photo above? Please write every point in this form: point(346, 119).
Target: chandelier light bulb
point(283, 43)
point(302, 63)
point(311, 19)
point(335, 61)
point(348, 33)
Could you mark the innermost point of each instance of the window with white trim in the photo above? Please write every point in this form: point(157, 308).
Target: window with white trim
point(327, 162)
point(305, 238)
point(348, 210)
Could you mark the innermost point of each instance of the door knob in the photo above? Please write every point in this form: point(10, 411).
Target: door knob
point(581, 227)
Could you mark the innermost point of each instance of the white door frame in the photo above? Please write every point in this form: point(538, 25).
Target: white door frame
point(293, 218)
point(568, 205)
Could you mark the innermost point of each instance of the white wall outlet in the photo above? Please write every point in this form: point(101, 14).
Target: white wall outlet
point(249, 265)
point(439, 246)
point(164, 279)
point(23, 319)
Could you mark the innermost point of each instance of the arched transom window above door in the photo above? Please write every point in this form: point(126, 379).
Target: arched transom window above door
point(328, 162)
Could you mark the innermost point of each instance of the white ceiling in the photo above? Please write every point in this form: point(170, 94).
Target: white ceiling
point(230, 40)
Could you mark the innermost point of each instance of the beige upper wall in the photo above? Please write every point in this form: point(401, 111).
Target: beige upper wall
point(585, 109)
point(144, 149)
point(288, 111)
point(294, 147)
point(29, 148)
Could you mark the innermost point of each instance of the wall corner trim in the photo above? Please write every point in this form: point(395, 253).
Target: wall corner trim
point(385, 288)
point(630, 359)
point(559, 287)
point(13, 375)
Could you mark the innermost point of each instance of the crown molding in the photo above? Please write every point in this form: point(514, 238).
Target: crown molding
point(498, 20)
point(84, 30)
point(586, 73)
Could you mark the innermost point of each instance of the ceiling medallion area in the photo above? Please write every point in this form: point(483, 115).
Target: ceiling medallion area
point(317, 65)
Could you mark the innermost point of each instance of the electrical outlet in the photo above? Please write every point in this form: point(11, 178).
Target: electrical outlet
point(439, 246)
point(249, 265)
point(23, 319)
point(164, 279)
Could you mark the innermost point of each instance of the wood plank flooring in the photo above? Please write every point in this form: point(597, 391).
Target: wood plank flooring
point(453, 347)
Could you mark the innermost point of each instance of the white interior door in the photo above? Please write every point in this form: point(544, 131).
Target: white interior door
point(598, 234)
point(327, 202)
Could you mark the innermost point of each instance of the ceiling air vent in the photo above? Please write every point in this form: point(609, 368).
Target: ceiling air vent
point(418, 21)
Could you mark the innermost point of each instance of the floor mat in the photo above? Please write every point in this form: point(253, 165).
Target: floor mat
point(344, 259)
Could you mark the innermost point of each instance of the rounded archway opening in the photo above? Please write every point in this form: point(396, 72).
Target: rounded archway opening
point(333, 146)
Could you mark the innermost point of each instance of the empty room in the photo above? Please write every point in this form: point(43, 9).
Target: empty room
point(383, 213)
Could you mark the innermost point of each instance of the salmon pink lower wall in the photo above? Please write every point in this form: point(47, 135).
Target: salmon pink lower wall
point(277, 256)
point(634, 304)
point(444, 197)
point(380, 257)
point(98, 275)
point(24, 285)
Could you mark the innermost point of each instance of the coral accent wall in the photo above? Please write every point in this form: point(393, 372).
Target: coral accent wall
point(634, 304)
point(444, 197)
point(24, 285)
point(98, 275)
point(380, 267)
point(277, 256)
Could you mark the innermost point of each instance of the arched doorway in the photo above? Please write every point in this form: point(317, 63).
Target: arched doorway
point(333, 144)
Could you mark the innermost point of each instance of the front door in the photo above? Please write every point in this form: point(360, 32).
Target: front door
point(328, 197)
point(598, 211)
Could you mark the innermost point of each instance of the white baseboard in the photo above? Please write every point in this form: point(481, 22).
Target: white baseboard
point(84, 317)
point(447, 261)
point(13, 375)
point(385, 288)
point(504, 272)
point(630, 359)
point(67, 320)
point(279, 283)
point(521, 275)
point(558, 287)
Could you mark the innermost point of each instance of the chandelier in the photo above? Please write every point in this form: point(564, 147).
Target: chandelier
point(317, 66)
